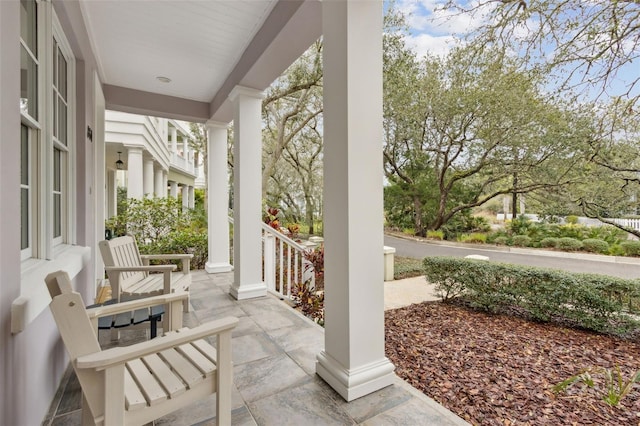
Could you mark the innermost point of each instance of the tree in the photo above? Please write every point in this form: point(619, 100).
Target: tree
point(292, 141)
point(473, 127)
point(586, 46)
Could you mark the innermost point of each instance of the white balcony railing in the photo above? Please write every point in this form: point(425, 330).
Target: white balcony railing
point(182, 163)
point(285, 265)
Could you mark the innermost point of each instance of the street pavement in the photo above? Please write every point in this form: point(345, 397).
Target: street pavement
point(575, 262)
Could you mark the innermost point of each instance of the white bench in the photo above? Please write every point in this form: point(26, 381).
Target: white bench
point(128, 271)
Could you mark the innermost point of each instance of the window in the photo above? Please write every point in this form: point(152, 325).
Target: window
point(46, 107)
point(29, 66)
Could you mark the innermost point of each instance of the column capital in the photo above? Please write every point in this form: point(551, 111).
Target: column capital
point(213, 124)
point(245, 91)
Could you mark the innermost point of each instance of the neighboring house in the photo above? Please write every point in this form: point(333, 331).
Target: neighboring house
point(150, 156)
point(65, 63)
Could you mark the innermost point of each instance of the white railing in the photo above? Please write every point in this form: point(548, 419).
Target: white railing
point(180, 162)
point(628, 223)
point(284, 263)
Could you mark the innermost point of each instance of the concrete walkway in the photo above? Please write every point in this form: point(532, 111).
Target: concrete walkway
point(400, 293)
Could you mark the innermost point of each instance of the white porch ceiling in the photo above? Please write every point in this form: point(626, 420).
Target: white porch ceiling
point(205, 47)
point(194, 43)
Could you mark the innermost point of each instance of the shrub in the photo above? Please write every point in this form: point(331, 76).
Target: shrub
point(616, 250)
point(185, 241)
point(520, 225)
point(409, 231)
point(595, 302)
point(595, 245)
point(501, 241)
point(569, 244)
point(572, 219)
point(435, 235)
point(631, 248)
point(476, 238)
point(549, 242)
point(521, 240)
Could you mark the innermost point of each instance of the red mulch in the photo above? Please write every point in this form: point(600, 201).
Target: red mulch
point(499, 370)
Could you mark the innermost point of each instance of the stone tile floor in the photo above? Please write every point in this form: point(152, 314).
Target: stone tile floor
point(274, 350)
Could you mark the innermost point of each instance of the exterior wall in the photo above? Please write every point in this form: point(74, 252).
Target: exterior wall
point(33, 360)
point(10, 207)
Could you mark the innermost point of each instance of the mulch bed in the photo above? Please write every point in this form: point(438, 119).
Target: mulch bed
point(499, 370)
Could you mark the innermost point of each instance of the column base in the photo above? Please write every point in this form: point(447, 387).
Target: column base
point(248, 291)
point(214, 268)
point(357, 382)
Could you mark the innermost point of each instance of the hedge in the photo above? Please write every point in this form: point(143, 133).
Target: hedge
point(590, 301)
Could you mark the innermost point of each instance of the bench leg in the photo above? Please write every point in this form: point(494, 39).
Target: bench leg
point(186, 306)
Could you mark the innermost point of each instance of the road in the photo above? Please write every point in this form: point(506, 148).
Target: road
point(420, 249)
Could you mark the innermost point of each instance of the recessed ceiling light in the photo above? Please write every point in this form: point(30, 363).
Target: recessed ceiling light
point(163, 79)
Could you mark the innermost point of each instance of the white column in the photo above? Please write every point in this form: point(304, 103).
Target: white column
point(174, 189)
point(247, 194)
point(185, 197)
point(148, 178)
point(353, 362)
point(112, 194)
point(165, 183)
point(192, 197)
point(174, 140)
point(218, 199)
point(134, 173)
point(185, 148)
point(158, 189)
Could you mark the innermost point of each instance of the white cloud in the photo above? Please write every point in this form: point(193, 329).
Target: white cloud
point(424, 44)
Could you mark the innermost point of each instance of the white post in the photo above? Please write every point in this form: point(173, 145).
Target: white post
point(158, 190)
point(165, 182)
point(174, 189)
point(353, 362)
point(218, 199)
point(192, 197)
point(134, 173)
point(247, 196)
point(148, 178)
point(112, 194)
point(174, 141)
point(270, 262)
point(185, 197)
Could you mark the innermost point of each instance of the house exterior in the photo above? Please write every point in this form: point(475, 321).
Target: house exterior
point(63, 64)
point(158, 158)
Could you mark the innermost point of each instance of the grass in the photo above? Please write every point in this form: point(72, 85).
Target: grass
point(406, 267)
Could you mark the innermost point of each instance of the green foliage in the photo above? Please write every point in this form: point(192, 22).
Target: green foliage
point(595, 245)
point(474, 238)
point(520, 225)
point(631, 248)
point(521, 240)
point(501, 241)
point(184, 241)
point(149, 219)
point(549, 242)
point(572, 219)
point(435, 235)
point(569, 244)
point(596, 302)
point(616, 387)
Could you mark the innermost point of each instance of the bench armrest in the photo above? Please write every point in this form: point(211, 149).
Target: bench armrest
point(166, 256)
point(147, 268)
point(121, 354)
point(117, 308)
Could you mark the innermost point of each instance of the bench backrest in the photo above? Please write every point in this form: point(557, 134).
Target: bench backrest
point(76, 330)
point(123, 251)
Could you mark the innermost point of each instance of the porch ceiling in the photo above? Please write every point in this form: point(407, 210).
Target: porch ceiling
point(205, 47)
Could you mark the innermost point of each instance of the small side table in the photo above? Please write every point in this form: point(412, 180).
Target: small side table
point(152, 314)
